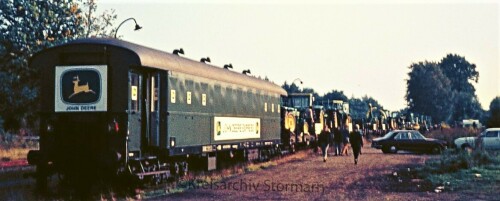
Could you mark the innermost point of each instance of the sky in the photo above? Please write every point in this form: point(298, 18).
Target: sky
point(358, 47)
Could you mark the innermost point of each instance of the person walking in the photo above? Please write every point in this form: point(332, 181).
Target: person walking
point(337, 141)
point(324, 141)
point(356, 139)
point(345, 140)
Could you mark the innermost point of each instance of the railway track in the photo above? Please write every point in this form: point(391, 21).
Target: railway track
point(15, 184)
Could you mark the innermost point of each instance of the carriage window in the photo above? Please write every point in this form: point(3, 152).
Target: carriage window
point(135, 85)
point(217, 95)
point(189, 84)
point(204, 86)
point(239, 93)
point(229, 92)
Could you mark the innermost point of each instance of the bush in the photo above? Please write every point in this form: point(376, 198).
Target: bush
point(450, 134)
point(455, 160)
point(461, 170)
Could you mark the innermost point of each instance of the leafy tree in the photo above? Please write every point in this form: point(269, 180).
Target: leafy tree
point(295, 89)
point(291, 88)
point(357, 108)
point(467, 106)
point(371, 100)
point(98, 25)
point(334, 95)
point(459, 71)
point(494, 113)
point(27, 27)
point(429, 91)
point(443, 90)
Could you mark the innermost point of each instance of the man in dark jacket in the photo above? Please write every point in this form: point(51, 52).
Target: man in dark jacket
point(356, 140)
point(324, 140)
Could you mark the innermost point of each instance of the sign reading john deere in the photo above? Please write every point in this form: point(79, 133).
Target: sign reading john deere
point(81, 88)
point(235, 128)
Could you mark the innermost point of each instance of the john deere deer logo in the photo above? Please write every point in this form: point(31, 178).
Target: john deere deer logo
point(80, 88)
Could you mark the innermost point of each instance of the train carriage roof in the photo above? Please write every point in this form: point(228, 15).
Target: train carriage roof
point(162, 60)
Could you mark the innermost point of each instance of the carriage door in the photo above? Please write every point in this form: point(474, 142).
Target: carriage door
point(136, 113)
point(144, 115)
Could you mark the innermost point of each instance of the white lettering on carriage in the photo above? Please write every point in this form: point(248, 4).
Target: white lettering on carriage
point(72, 108)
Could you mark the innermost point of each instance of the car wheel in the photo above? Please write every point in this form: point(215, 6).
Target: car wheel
point(467, 148)
point(393, 149)
point(436, 150)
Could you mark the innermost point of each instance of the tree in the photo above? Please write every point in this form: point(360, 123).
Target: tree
point(443, 90)
point(315, 95)
point(494, 113)
point(459, 71)
point(100, 26)
point(27, 27)
point(429, 91)
point(335, 95)
point(357, 108)
point(291, 88)
point(370, 100)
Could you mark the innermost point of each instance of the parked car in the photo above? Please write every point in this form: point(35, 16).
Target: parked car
point(408, 140)
point(488, 139)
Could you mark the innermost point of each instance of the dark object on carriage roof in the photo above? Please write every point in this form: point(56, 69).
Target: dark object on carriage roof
point(178, 51)
point(205, 60)
point(163, 60)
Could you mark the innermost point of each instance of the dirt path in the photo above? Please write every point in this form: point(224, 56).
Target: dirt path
point(309, 178)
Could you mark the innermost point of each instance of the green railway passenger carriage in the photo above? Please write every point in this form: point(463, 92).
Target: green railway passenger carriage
point(110, 106)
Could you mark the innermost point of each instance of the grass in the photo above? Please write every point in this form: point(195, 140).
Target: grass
point(204, 179)
point(218, 177)
point(14, 147)
point(455, 170)
point(13, 154)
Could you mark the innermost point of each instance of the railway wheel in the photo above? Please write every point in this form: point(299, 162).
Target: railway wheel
point(183, 168)
point(264, 155)
point(467, 148)
point(41, 178)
